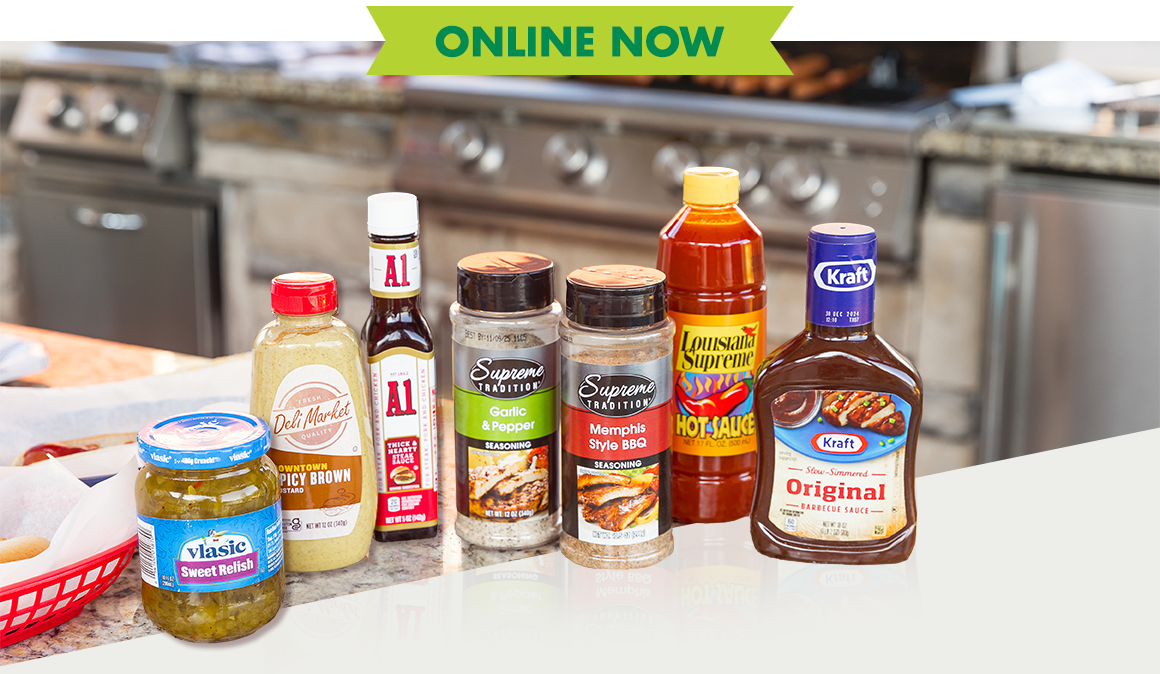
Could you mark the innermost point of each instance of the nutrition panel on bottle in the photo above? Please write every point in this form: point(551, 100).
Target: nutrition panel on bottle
point(714, 260)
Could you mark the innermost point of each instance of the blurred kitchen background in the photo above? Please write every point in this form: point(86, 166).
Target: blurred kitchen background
point(149, 192)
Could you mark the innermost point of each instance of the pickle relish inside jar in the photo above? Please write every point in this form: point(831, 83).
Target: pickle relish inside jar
point(209, 526)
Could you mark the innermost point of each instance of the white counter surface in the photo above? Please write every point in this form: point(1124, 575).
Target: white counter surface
point(1041, 563)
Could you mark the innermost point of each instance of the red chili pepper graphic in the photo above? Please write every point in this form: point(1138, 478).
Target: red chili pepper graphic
point(717, 405)
point(749, 331)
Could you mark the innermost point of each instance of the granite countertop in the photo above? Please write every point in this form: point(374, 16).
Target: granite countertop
point(262, 84)
point(267, 85)
point(1092, 153)
point(81, 361)
point(117, 614)
point(13, 69)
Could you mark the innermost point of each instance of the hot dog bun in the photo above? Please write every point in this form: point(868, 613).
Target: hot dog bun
point(22, 547)
point(36, 453)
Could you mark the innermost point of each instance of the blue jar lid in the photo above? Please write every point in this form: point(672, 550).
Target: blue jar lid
point(203, 440)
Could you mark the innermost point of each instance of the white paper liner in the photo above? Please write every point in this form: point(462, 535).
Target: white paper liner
point(100, 518)
point(30, 416)
point(46, 499)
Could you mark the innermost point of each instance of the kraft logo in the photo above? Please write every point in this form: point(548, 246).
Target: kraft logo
point(839, 443)
point(845, 276)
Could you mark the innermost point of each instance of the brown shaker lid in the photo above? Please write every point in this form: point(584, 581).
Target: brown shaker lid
point(616, 296)
point(504, 282)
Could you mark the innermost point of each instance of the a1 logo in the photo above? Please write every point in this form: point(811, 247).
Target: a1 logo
point(396, 271)
point(399, 406)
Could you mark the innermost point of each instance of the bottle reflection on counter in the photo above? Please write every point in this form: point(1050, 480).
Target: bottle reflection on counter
point(626, 605)
point(718, 581)
point(519, 599)
point(802, 599)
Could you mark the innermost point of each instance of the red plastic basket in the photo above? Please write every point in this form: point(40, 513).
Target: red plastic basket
point(43, 602)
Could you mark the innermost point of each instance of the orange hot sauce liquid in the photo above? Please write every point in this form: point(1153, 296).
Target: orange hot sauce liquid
point(715, 262)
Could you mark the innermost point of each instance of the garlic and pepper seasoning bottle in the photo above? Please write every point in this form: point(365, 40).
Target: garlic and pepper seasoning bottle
point(617, 384)
point(401, 373)
point(506, 401)
point(309, 385)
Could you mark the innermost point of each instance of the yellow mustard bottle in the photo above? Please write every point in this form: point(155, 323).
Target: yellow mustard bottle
point(309, 386)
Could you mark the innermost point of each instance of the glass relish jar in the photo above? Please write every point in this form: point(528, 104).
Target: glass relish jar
point(209, 526)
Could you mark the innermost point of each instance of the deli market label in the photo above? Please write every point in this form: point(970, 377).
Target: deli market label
point(315, 443)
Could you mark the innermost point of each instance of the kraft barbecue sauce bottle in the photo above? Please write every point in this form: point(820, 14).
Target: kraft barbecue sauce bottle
point(838, 411)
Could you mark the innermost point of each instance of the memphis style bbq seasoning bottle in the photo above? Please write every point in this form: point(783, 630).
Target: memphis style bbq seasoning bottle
point(838, 411)
point(506, 401)
point(617, 385)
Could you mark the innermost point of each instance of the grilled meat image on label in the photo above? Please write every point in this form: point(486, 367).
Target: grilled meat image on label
point(863, 409)
point(514, 487)
point(615, 501)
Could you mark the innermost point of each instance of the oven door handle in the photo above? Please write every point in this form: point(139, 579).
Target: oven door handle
point(99, 219)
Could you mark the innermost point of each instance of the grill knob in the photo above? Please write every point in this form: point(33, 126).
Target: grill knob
point(126, 123)
point(567, 153)
point(64, 112)
point(108, 112)
point(467, 142)
point(670, 163)
point(796, 179)
point(117, 119)
point(747, 166)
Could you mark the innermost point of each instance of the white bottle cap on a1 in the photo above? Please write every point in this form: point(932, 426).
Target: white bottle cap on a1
point(392, 214)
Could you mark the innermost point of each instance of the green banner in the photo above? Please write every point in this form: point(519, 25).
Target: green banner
point(483, 418)
point(457, 40)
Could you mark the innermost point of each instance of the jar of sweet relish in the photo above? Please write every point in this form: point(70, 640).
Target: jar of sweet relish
point(209, 522)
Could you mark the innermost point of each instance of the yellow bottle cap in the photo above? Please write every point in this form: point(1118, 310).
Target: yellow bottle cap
point(712, 185)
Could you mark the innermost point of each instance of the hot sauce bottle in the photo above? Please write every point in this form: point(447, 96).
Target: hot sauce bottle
point(401, 362)
point(838, 411)
point(714, 259)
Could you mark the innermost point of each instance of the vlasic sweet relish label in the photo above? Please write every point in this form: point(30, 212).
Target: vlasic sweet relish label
point(839, 464)
point(213, 554)
point(714, 361)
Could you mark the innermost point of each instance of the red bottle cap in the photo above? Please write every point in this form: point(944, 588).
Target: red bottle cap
point(303, 293)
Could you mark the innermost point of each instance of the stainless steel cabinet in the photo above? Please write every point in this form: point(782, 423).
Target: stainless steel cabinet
point(121, 265)
point(1074, 323)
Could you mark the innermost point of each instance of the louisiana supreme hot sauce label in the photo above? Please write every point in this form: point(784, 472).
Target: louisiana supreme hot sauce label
point(617, 459)
point(314, 440)
point(714, 360)
point(840, 459)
